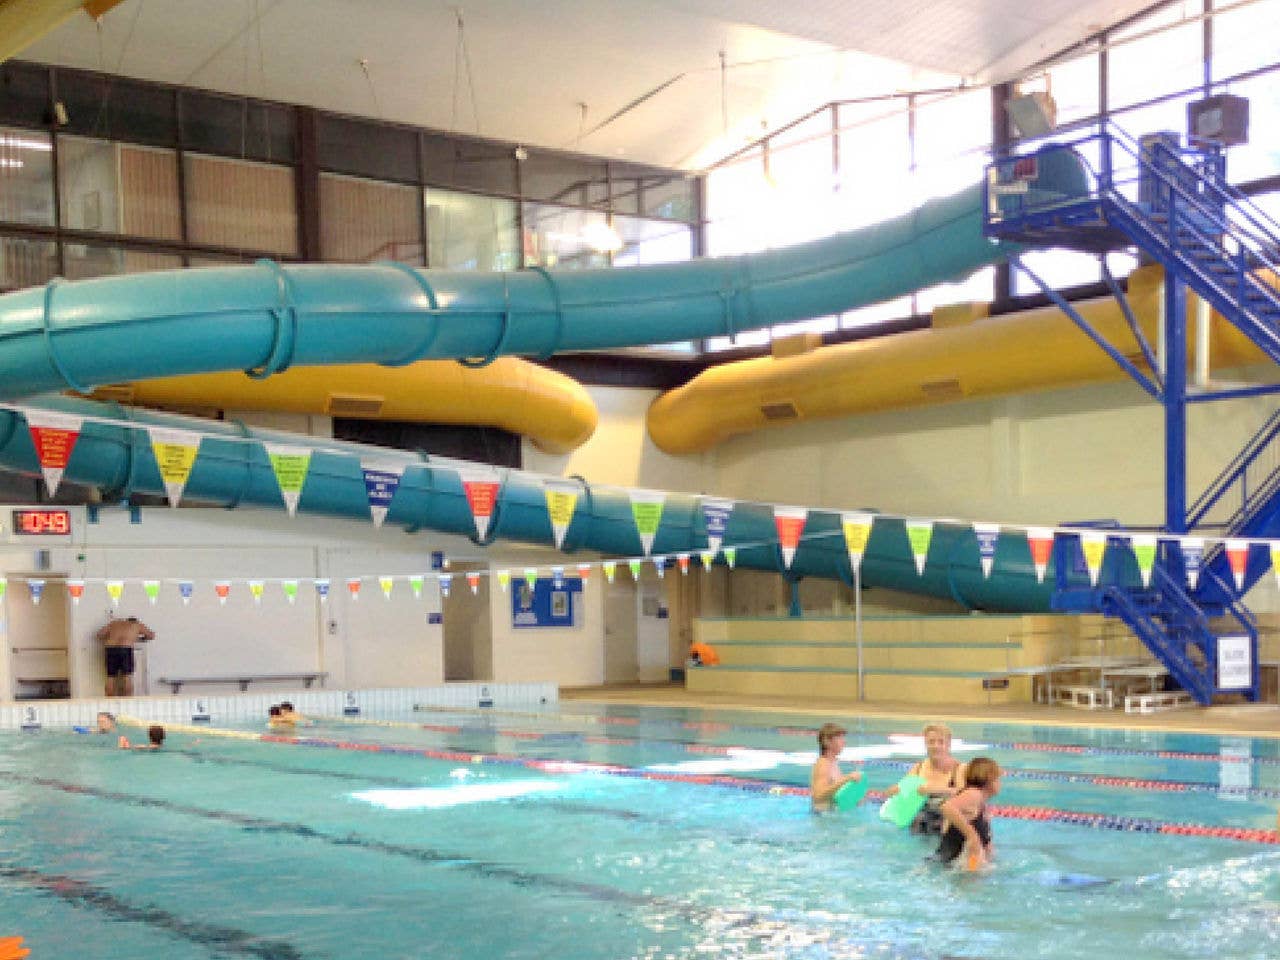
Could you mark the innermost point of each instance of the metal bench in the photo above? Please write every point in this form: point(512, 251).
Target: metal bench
point(1086, 698)
point(1157, 701)
point(307, 678)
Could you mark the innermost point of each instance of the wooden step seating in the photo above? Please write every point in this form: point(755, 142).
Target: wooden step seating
point(939, 659)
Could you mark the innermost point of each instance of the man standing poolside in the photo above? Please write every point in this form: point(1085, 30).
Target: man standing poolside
point(119, 637)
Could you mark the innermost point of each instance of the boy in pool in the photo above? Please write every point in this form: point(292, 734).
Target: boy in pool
point(155, 739)
point(276, 720)
point(965, 814)
point(826, 778)
point(290, 715)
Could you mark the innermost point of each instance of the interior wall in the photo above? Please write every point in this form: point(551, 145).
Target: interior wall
point(570, 656)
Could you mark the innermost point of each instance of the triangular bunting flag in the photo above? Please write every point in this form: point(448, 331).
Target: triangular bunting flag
point(1238, 557)
point(504, 579)
point(36, 589)
point(380, 486)
point(715, 516)
point(531, 576)
point(1094, 545)
point(481, 488)
point(562, 499)
point(988, 535)
point(730, 555)
point(557, 577)
point(633, 565)
point(919, 534)
point(255, 590)
point(682, 561)
point(789, 522)
point(223, 589)
point(290, 465)
point(857, 531)
point(415, 585)
point(387, 584)
point(473, 581)
point(660, 564)
point(115, 590)
point(708, 557)
point(1192, 558)
point(54, 435)
point(290, 588)
point(1040, 540)
point(322, 589)
point(185, 589)
point(76, 589)
point(446, 581)
point(1144, 551)
point(1275, 560)
point(353, 588)
point(4, 586)
point(584, 571)
point(175, 452)
point(646, 509)
point(152, 589)
point(610, 568)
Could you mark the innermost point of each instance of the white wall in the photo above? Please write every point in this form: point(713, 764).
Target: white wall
point(570, 656)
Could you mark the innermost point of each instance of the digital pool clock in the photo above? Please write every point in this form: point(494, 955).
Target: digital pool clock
point(42, 523)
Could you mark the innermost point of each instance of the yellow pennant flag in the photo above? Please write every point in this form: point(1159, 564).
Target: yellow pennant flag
point(175, 452)
point(562, 498)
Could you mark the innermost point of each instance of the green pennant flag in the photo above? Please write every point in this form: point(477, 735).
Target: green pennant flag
point(1144, 551)
point(646, 508)
point(290, 465)
point(634, 564)
point(920, 532)
point(290, 590)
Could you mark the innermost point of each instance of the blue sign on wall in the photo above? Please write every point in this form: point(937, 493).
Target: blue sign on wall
point(544, 604)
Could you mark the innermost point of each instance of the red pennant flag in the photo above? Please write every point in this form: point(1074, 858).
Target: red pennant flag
point(1040, 539)
point(790, 522)
point(584, 571)
point(353, 587)
point(54, 435)
point(1238, 557)
point(481, 487)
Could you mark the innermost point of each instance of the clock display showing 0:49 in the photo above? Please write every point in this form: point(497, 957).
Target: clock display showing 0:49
point(42, 523)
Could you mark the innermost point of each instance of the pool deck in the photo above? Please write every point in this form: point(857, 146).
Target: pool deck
point(1250, 719)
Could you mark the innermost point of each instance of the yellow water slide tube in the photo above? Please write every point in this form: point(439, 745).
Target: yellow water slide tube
point(959, 357)
point(552, 410)
point(23, 22)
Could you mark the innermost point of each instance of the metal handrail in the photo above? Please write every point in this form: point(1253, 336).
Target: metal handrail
point(1235, 470)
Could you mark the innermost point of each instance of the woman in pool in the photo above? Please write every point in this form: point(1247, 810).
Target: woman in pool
point(826, 779)
point(944, 777)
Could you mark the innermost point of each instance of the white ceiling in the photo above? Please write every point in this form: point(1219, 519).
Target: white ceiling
point(533, 63)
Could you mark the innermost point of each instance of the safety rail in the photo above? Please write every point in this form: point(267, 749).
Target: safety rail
point(1239, 471)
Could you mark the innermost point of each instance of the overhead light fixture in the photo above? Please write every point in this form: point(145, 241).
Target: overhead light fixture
point(25, 143)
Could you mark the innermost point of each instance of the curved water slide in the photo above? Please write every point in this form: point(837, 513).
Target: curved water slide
point(267, 318)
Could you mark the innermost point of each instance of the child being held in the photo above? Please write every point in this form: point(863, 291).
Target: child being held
point(967, 828)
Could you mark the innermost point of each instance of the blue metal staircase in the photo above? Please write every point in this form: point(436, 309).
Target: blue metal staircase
point(1175, 205)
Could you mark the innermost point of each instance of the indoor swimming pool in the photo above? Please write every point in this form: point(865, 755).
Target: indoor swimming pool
point(583, 831)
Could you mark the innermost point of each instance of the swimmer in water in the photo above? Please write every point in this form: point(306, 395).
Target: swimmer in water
point(968, 829)
point(826, 778)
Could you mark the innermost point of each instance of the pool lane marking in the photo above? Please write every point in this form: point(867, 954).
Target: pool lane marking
point(1149, 784)
point(80, 893)
point(715, 726)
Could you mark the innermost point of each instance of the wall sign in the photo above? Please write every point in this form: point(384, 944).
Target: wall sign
point(544, 604)
point(1235, 663)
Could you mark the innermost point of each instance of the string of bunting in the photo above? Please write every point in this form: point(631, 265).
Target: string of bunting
point(54, 435)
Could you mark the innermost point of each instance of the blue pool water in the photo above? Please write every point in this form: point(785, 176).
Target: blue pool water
point(591, 832)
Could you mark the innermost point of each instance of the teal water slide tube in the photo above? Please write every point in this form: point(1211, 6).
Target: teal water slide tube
point(267, 317)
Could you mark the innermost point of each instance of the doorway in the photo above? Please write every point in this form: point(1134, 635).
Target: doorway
point(38, 638)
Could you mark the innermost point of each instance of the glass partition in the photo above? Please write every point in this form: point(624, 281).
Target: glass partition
point(470, 232)
point(567, 238)
point(26, 177)
point(112, 187)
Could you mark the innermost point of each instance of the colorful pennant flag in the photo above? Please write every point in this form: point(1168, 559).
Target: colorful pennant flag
point(290, 588)
point(446, 581)
point(473, 581)
point(715, 517)
point(610, 568)
point(633, 565)
point(789, 522)
point(988, 535)
point(290, 465)
point(185, 589)
point(857, 531)
point(1238, 557)
point(730, 555)
point(4, 586)
point(152, 589)
point(584, 571)
point(415, 585)
point(1144, 551)
point(1275, 560)
point(660, 564)
point(36, 589)
point(646, 509)
point(562, 499)
point(255, 590)
point(76, 589)
point(708, 557)
point(919, 534)
point(380, 486)
point(531, 576)
point(223, 589)
point(115, 590)
point(353, 588)
point(1192, 559)
point(54, 435)
point(1040, 540)
point(682, 561)
point(322, 589)
point(557, 577)
point(1094, 545)
point(387, 584)
point(504, 579)
point(175, 452)
point(481, 487)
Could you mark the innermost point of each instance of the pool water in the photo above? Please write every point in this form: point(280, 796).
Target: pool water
point(591, 832)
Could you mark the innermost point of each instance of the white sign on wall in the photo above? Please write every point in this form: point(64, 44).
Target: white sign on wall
point(1235, 663)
